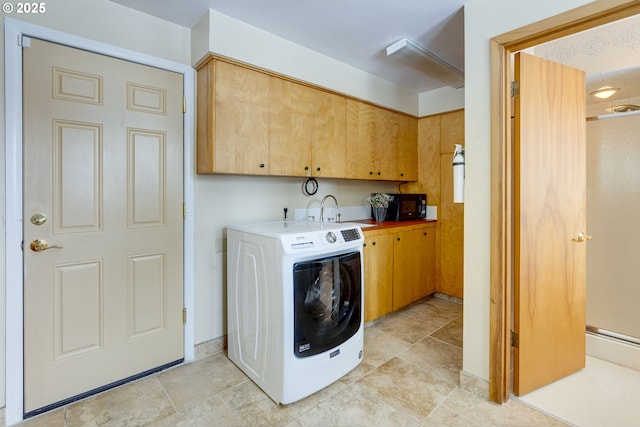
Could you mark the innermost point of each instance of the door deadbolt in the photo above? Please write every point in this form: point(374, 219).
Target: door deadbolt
point(38, 219)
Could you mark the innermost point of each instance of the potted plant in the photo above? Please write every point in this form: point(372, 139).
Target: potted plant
point(379, 203)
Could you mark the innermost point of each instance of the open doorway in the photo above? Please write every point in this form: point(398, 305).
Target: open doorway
point(502, 275)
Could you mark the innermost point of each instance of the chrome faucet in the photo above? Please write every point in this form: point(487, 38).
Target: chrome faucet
point(322, 205)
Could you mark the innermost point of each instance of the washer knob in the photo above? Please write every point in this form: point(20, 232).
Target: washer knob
point(331, 237)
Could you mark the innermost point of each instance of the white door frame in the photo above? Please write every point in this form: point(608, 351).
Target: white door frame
point(14, 30)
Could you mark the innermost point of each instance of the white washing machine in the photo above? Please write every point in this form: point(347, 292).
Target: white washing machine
point(295, 304)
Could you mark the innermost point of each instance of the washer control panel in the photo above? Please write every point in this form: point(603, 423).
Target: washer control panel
point(313, 240)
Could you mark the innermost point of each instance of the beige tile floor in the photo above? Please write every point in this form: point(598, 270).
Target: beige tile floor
point(409, 377)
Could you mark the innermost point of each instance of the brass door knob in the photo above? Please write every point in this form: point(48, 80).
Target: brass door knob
point(583, 237)
point(42, 245)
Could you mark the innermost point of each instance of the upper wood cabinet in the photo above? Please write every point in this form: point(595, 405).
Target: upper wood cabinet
point(381, 144)
point(407, 148)
point(255, 122)
point(307, 131)
point(233, 120)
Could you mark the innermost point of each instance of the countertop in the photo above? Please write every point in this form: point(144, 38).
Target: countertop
point(370, 224)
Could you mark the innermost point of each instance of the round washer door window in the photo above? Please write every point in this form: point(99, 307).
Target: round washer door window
point(327, 302)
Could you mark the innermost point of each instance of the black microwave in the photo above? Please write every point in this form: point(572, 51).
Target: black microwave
point(406, 206)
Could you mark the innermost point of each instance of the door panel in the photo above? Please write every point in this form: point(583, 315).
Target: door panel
point(103, 163)
point(550, 211)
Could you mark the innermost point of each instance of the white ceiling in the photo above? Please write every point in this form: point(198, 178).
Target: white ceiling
point(356, 32)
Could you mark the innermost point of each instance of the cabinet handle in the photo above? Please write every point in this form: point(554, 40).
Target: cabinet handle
point(370, 172)
point(306, 168)
point(261, 165)
point(318, 169)
point(379, 173)
point(398, 239)
point(401, 174)
point(364, 245)
point(374, 243)
point(425, 233)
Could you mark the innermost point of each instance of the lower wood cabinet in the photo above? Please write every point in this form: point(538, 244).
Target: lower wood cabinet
point(399, 267)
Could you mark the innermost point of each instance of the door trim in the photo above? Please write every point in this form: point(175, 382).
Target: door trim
point(14, 30)
point(502, 180)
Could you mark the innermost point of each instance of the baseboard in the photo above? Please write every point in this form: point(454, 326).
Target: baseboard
point(474, 385)
point(209, 348)
point(613, 350)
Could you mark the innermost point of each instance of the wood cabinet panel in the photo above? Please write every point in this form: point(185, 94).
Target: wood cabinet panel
point(378, 283)
point(381, 144)
point(399, 267)
point(451, 235)
point(451, 131)
point(414, 265)
point(257, 123)
point(291, 128)
point(233, 120)
point(329, 144)
point(407, 148)
point(451, 215)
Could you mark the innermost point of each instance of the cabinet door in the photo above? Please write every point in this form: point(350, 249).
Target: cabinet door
point(378, 276)
point(241, 115)
point(329, 145)
point(361, 144)
point(425, 283)
point(291, 128)
point(407, 148)
point(414, 265)
point(372, 134)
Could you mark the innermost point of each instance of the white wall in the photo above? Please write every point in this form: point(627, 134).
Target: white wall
point(235, 39)
point(483, 20)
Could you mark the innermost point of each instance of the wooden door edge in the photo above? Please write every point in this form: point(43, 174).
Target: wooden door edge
point(573, 21)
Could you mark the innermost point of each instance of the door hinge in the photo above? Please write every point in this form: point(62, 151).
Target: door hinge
point(184, 315)
point(184, 104)
point(515, 89)
point(515, 340)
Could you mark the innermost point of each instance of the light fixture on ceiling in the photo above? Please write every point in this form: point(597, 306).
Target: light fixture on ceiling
point(605, 92)
point(421, 59)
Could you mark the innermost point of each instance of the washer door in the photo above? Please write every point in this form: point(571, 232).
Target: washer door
point(327, 302)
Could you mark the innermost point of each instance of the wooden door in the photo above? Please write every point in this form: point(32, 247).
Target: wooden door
point(550, 212)
point(378, 276)
point(103, 206)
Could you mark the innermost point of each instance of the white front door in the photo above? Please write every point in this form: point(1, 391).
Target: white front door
point(103, 221)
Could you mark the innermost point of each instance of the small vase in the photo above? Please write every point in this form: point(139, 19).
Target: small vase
point(379, 214)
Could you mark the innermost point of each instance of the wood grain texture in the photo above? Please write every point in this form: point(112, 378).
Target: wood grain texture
point(502, 47)
point(450, 215)
point(329, 141)
point(550, 211)
point(205, 122)
point(378, 276)
point(451, 221)
point(292, 113)
point(407, 169)
point(241, 143)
